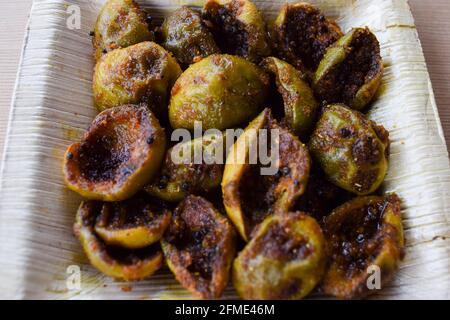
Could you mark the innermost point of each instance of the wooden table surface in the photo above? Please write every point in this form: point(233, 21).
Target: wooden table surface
point(432, 20)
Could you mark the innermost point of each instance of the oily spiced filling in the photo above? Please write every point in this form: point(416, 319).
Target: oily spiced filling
point(365, 179)
point(131, 257)
point(203, 255)
point(198, 249)
point(359, 238)
point(100, 157)
point(359, 67)
point(321, 196)
point(308, 34)
point(90, 211)
point(257, 194)
point(229, 33)
point(108, 150)
point(276, 99)
point(147, 65)
point(131, 213)
point(196, 237)
point(278, 245)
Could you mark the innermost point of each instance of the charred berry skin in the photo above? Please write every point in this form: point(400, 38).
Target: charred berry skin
point(321, 196)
